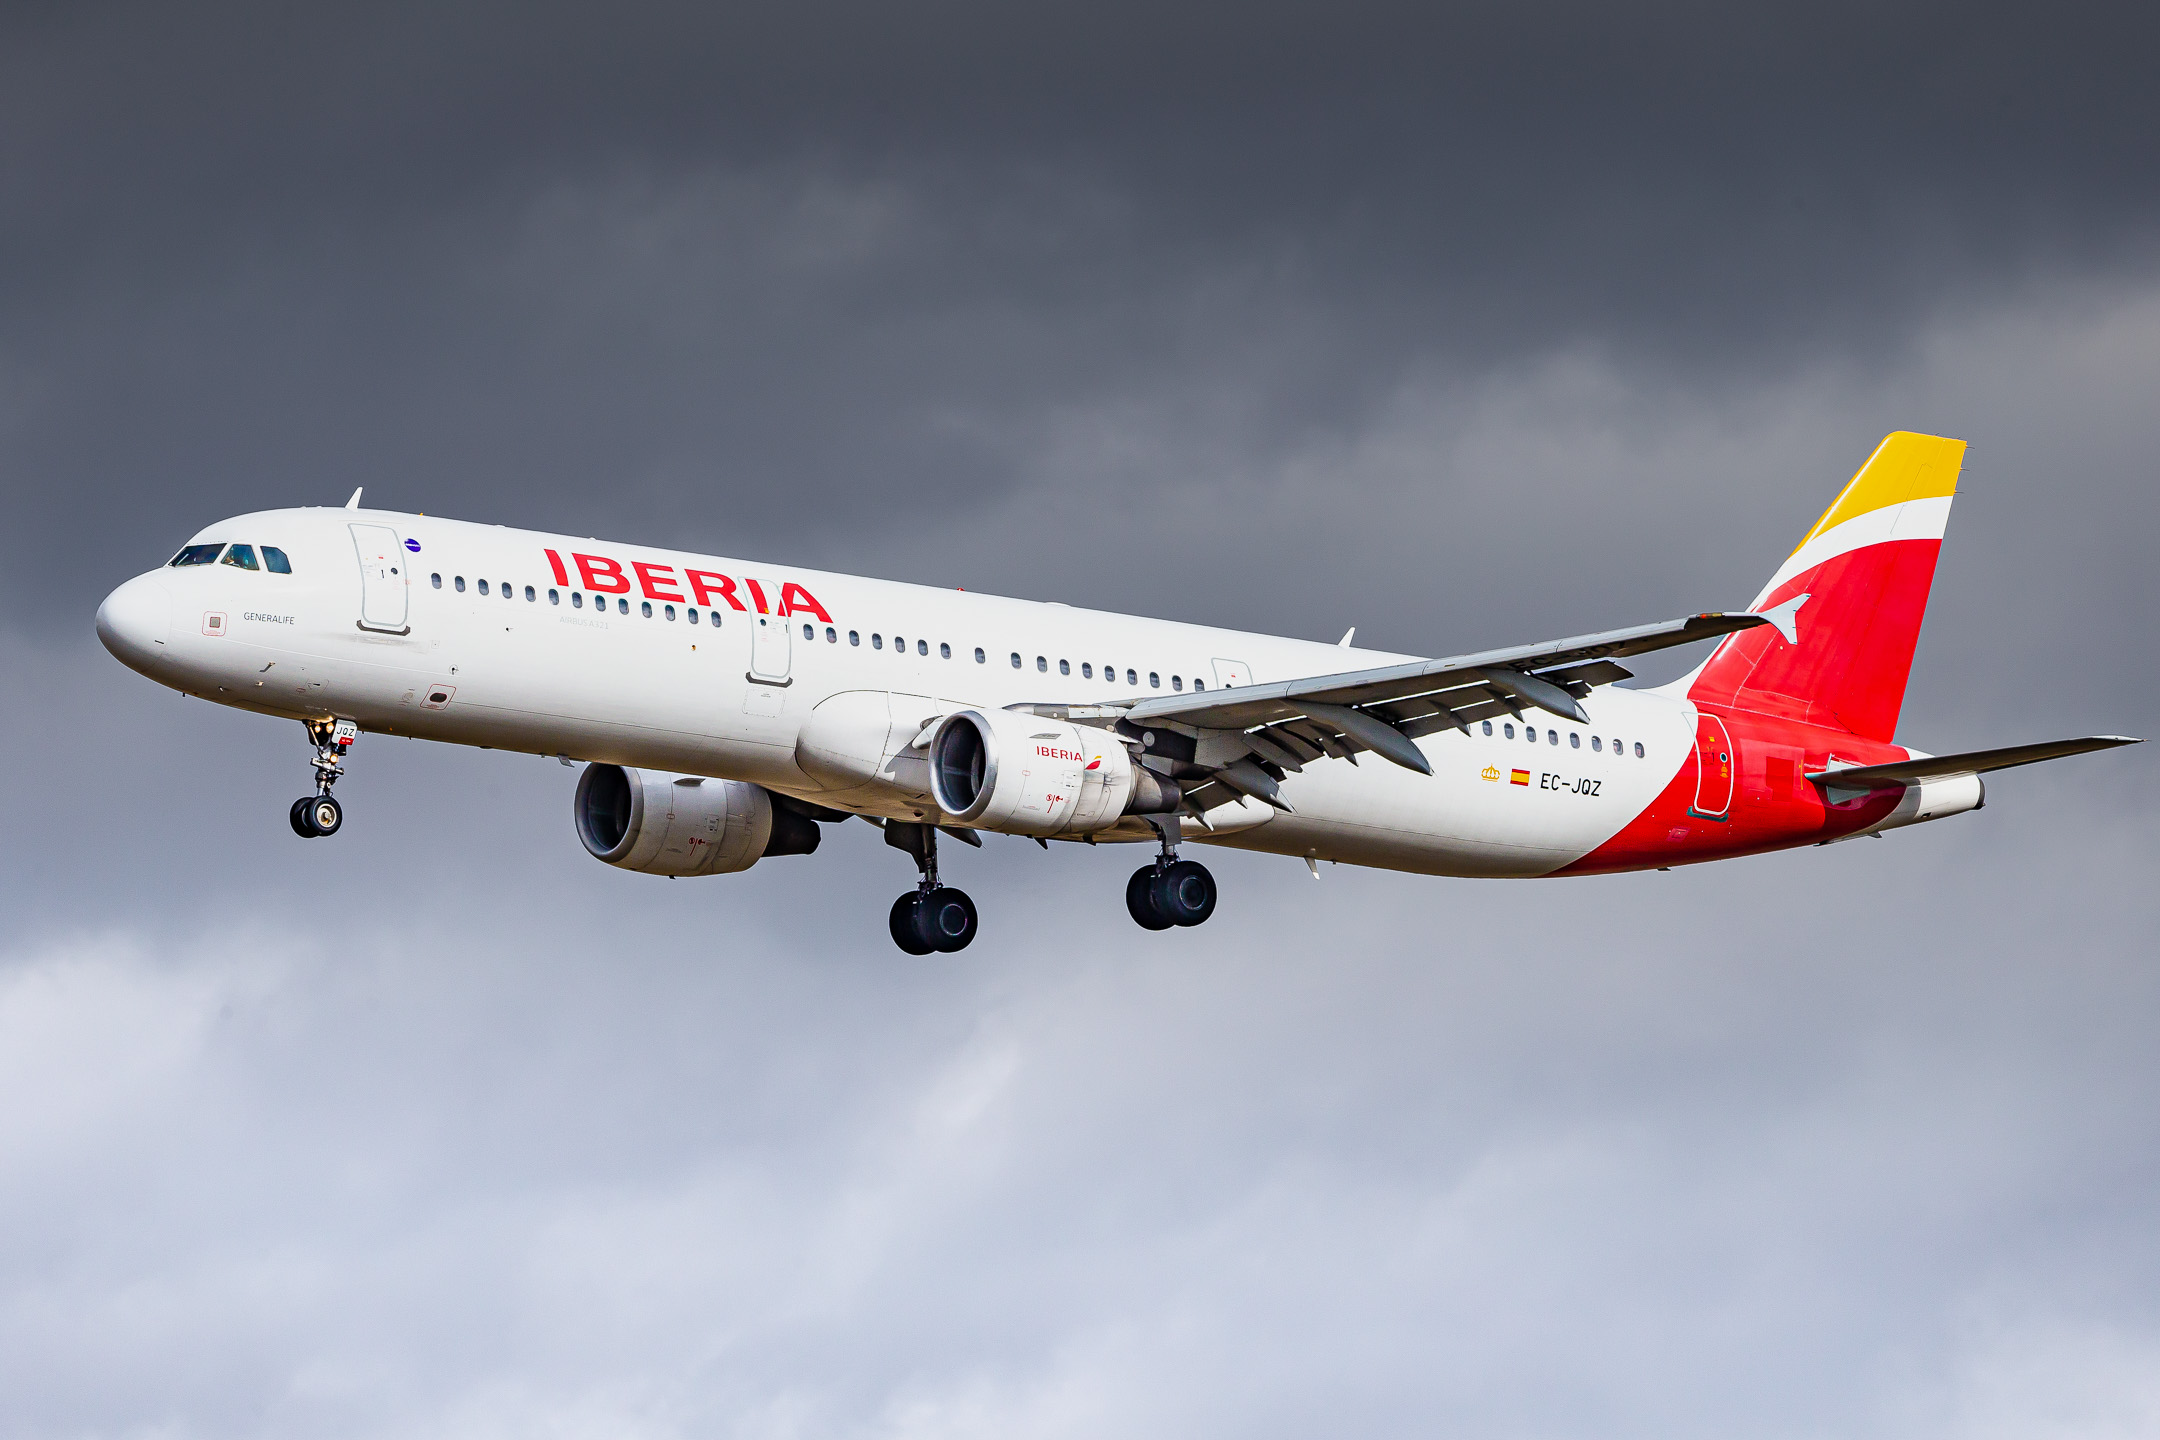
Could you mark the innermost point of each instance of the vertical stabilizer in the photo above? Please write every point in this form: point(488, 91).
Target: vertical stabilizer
point(1845, 610)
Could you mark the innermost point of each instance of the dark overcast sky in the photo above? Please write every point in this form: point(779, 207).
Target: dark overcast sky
point(1464, 327)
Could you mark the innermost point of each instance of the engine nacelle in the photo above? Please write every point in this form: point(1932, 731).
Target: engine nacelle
point(662, 824)
point(1025, 775)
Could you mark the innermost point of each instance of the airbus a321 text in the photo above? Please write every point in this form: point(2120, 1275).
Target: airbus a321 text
point(727, 709)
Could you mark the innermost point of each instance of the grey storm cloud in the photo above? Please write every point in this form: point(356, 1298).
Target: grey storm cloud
point(1464, 327)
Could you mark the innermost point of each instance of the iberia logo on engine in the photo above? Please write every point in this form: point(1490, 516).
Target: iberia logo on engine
point(1052, 752)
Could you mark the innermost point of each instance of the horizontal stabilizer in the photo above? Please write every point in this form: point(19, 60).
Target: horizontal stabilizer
point(1973, 762)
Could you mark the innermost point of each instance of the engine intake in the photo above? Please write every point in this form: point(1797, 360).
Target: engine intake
point(662, 824)
point(1026, 775)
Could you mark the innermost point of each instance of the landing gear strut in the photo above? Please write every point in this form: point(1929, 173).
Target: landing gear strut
point(1171, 891)
point(318, 815)
point(931, 916)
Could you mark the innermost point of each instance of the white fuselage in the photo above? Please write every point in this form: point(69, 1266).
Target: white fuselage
point(554, 659)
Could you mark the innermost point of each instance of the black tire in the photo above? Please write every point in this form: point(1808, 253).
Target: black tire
point(1184, 893)
point(298, 815)
point(947, 919)
point(905, 924)
point(324, 815)
point(1140, 900)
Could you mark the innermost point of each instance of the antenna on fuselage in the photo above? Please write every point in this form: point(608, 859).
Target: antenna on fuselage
point(354, 503)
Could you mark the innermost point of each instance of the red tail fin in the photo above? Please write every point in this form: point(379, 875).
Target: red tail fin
point(1847, 606)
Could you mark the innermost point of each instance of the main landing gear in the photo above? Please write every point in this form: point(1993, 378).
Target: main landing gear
point(1171, 891)
point(315, 816)
point(931, 916)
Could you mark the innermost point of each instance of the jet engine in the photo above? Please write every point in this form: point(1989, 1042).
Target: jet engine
point(1025, 775)
point(662, 824)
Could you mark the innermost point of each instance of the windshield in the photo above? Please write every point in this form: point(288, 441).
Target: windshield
point(242, 556)
point(198, 554)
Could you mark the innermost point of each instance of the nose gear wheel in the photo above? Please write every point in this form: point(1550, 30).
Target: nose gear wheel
point(316, 816)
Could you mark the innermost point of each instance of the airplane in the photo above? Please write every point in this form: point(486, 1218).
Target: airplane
point(725, 710)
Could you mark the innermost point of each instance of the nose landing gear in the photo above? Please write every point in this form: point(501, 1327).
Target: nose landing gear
point(316, 816)
point(932, 916)
point(1171, 891)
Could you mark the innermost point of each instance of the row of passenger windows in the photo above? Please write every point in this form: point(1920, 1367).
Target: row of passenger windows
point(1552, 737)
point(577, 598)
point(1042, 662)
point(239, 556)
point(809, 632)
point(854, 637)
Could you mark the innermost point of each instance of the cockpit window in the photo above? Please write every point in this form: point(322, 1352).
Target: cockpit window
point(275, 562)
point(242, 556)
point(198, 554)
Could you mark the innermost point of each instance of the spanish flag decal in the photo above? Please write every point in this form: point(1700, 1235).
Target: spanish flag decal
point(1519, 777)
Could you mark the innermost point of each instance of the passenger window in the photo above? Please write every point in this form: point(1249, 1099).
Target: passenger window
point(1042, 666)
point(978, 654)
point(1196, 683)
point(1016, 659)
point(1087, 670)
point(508, 593)
point(899, 646)
point(1132, 677)
point(577, 599)
point(1574, 740)
point(554, 596)
point(529, 595)
point(1177, 682)
point(854, 637)
point(668, 610)
point(1552, 737)
point(483, 586)
point(922, 647)
point(1488, 727)
point(944, 651)
point(436, 581)
point(877, 641)
point(691, 616)
point(457, 583)
point(809, 632)
point(275, 562)
point(1507, 731)
point(1064, 667)
point(1638, 749)
point(622, 607)
point(242, 556)
point(1596, 744)
point(646, 606)
point(198, 554)
point(1154, 680)
point(832, 636)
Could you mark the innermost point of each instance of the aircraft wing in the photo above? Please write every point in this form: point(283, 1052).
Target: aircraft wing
point(1972, 762)
point(1247, 736)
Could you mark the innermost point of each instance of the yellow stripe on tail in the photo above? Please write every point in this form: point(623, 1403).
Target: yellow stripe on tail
point(1904, 467)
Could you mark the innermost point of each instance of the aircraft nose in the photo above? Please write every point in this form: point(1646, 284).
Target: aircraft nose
point(134, 619)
